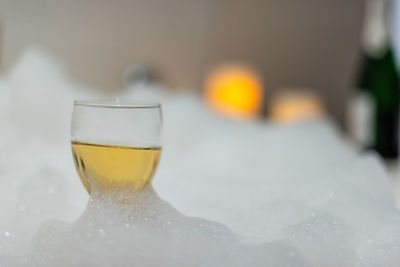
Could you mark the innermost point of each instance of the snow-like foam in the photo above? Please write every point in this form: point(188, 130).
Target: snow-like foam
point(268, 195)
point(150, 232)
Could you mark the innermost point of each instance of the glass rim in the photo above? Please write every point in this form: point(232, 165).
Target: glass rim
point(116, 103)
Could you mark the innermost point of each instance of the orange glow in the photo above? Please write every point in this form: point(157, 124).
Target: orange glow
point(290, 108)
point(234, 91)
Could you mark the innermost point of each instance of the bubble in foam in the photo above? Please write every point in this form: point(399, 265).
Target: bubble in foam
point(324, 239)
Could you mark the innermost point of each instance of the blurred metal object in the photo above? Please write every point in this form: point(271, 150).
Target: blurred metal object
point(295, 105)
point(360, 118)
point(235, 91)
point(139, 75)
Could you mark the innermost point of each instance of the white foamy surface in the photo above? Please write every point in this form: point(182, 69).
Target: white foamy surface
point(296, 195)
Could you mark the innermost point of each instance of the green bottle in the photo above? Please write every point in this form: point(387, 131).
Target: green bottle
point(379, 81)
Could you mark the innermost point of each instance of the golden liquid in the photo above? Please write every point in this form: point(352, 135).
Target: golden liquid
point(105, 167)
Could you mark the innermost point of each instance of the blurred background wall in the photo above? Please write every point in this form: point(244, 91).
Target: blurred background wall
point(307, 43)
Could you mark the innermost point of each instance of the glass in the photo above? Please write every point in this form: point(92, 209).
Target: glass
point(116, 145)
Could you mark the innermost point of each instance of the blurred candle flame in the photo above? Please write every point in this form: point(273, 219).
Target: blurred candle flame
point(290, 107)
point(234, 91)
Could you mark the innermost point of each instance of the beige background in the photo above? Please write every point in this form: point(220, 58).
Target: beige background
point(301, 43)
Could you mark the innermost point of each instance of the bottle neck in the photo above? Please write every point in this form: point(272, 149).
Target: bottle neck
point(375, 35)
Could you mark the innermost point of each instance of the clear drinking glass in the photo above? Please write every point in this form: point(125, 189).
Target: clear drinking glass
point(116, 145)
